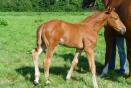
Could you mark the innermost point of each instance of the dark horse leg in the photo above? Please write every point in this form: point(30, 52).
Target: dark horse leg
point(109, 45)
point(128, 43)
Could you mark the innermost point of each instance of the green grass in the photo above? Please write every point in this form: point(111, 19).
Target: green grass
point(17, 39)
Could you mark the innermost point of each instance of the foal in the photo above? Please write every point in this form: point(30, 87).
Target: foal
point(82, 36)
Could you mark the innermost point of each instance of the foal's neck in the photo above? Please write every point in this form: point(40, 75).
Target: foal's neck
point(97, 22)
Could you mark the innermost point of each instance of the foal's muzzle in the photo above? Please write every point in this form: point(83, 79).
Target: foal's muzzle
point(122, 31)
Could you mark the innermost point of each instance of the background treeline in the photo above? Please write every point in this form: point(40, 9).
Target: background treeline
point(47, 5)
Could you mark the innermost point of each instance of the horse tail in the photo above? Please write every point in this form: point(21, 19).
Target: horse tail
point(46, 42)
point(38, 37)
point(41, 42)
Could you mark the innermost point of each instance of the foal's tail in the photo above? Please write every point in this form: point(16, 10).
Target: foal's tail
point(39, 41)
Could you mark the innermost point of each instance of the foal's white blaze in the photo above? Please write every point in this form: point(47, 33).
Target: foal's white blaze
point(105, 70)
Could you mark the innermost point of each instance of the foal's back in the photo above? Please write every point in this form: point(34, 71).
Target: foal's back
point(66, 33)
point(73, 34)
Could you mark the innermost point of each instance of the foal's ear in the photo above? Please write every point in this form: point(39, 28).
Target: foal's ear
point(109, 10)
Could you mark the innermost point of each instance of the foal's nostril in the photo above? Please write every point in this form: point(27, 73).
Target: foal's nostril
point(123, 30)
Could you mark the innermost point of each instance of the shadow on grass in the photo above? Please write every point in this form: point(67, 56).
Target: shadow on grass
point(82, 67)
point(28, 72)
point(116, 76)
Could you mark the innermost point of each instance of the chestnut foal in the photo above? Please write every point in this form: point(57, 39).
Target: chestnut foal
point(82, 36)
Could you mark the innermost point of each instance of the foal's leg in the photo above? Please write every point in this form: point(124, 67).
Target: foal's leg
point(47, 61)
point(35, 55)
point(90, 54)
point(74, 63)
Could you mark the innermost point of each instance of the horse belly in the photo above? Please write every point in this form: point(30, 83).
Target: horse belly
point(72, 42)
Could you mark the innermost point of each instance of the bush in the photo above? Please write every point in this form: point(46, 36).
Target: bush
point(99, 4)
point(15, 5)
point(43, 5)
point(22, 5)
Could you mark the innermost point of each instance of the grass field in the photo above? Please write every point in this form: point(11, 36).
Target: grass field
point(17, 38)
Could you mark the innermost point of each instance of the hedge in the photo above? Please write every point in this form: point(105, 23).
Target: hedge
point(43, 5)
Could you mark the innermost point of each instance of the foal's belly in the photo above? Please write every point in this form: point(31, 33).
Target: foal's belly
point(72, 41)
point(73, 45)
point(72, 36)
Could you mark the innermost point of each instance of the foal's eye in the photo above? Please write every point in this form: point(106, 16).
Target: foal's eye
point(115, 18)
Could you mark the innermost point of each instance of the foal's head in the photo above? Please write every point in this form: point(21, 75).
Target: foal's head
point(115, 21)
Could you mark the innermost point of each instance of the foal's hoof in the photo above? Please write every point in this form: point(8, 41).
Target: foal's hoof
point(95, 86)
point(48, 82)
point(68, 78)
point(36, 82)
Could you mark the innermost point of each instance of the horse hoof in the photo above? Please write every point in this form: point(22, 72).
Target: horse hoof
point(128, 77)
point(103, 74)
point(36, 82)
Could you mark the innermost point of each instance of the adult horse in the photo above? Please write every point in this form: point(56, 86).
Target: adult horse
point(123, 8)
point(82, 36)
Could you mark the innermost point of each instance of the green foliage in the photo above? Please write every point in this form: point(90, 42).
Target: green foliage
point(99, 4)
point(43, 5)
point(23, 5)
point(15, 5)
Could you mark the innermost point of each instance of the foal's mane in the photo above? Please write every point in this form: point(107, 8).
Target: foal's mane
point(94, 15)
